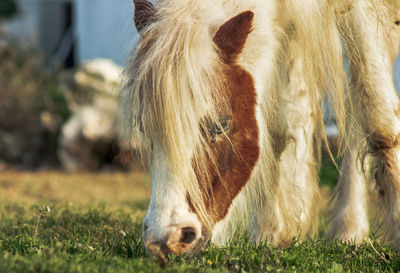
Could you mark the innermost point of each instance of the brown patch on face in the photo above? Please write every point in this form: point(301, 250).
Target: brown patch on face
point(236, 153)
point(237, 156)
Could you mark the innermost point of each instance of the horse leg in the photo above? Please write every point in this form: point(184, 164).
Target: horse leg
point(376, 104)
point(290, 207)
point(349, 213)
point(297, 198)
point(297, 201)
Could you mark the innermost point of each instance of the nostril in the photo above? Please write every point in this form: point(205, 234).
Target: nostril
point(188, 235)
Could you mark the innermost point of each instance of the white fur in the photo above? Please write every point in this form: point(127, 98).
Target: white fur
point(373, 39)
point(168, 207)
point(294, 54)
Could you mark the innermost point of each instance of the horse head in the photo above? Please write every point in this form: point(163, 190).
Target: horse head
point(201, 157)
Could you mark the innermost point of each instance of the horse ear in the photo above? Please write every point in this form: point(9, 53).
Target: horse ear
point(145, 13)
point(231, 36)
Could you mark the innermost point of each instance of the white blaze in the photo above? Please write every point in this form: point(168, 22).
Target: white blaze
point(168, 207)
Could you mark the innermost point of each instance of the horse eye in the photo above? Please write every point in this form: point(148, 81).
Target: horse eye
point(397, 22)
point(222, 126)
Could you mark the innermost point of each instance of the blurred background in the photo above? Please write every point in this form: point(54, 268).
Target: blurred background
point(60, 66)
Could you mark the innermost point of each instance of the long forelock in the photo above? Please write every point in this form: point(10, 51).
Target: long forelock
point(173, 82)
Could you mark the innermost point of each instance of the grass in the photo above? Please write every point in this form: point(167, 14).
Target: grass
point(55, 222)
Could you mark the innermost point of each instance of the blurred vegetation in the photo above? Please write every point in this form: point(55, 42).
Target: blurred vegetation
point(8, 8)
point(328, 172)
point(32, 106)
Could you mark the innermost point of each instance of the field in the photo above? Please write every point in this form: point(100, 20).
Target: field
point(57, 222)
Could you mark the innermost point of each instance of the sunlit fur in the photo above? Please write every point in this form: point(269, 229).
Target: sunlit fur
point(294, 54)
point(372, 39)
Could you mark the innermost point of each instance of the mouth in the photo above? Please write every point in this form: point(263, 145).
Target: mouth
point(160, 251)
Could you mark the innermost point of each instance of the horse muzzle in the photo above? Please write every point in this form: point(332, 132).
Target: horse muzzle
point(178, 241)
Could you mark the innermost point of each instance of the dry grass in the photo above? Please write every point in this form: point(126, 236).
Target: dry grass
point(116, 190)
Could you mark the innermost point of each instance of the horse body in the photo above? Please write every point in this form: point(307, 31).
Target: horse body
point(225, 97)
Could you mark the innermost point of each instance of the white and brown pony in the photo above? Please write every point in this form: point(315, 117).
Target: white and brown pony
point(225, 99)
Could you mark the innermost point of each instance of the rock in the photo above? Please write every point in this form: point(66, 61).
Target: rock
point(90, 139)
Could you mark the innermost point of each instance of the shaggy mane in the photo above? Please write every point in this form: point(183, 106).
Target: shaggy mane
point(173, 83)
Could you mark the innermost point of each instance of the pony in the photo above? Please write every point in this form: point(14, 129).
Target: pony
point(225, 99)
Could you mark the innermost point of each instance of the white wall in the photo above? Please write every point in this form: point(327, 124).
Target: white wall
point(26, 24)
point(105, 29)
